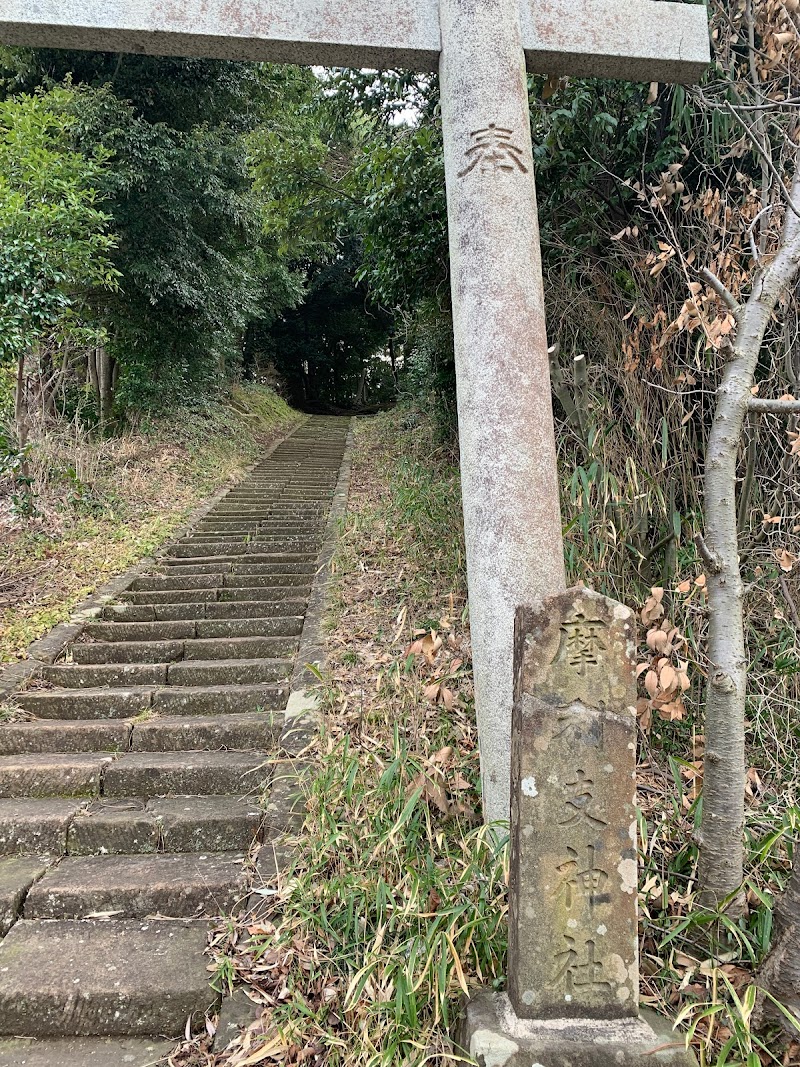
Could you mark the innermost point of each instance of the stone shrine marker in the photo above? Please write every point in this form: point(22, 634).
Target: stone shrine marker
point(573, 973)
point(572, 928)
point(480, 47)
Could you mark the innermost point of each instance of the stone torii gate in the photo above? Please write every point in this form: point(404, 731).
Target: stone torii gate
point(480, 47)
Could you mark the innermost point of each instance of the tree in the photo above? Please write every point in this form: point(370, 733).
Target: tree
point(196, 265)
point(57, 248)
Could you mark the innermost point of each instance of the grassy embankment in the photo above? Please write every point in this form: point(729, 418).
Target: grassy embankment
point(101, 504)
point(396, 903)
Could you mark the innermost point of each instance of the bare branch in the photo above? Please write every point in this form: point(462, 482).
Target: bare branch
point(774, 407)
point(722, 291)
point(766, 158)
point(711, 560)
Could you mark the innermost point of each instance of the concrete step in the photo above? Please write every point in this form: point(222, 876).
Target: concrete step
point(140, 631)
point(166, 652)
point(259, 591)
point(37, 827)
point(228, 549)
point(281, 626)
point(245, 579)
point(155, 774)
point(257, 731)
point(86, 703)
point(84, 1052)
point(278, 626)
point(283, 560)
point(76, 735)
point(261, 609)
point(220, 699)
point(53, 774)
point(179, 885)
point(115, 652)
point(88, 676)
point(134, 825)
point(202, 672)
point(89, 978)
point(169, 596)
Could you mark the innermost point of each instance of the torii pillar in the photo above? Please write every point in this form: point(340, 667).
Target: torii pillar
point(508, 457)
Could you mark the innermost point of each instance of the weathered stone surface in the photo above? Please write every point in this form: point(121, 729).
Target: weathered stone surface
point(17, 875)
point(225, 672)
point(572, 920)
point(171, 596)
point(152, 774)
point(253, 731)
point(128, 652)
point(257, 592)
point(133, 887)
point(509, 477)
point(220, 700)
point(141, 631)
point(83, 1052)
point(286, 806)
point(87, 978)
point(492, 1035)
point(79, 676)
point(37, 826)
point(160, 582)
point(53, 774)
point(258, 609)
point(211, 823)
point(286, 626)
point(238, 648)
point(74, 735)
point(86, 703)
point(113, 827)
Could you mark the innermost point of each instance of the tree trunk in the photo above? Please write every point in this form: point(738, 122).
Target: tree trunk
point(721, 841)
point(362, 388)
point(106, 380)
point(779, 974)
point(91, 366)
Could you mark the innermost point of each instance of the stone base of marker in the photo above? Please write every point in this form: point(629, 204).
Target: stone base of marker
point(493, 1036)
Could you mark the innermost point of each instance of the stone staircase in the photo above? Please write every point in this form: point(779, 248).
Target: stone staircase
point(131, 799)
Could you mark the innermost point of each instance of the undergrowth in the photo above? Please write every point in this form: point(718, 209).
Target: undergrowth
point(395, 906)
point(96, 505)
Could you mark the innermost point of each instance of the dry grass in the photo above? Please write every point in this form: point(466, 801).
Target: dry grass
point(102, 504)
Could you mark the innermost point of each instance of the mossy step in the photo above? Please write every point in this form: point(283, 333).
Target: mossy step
point(86, 703)
point(261, 609)
point(87, 978)
point(220, 699)
point(134, 825)
point(70, 704)
point(255, 730)
point(198, 672)
point(108, 652)
point(174, 885)
point(87, 676)
point(76, 735)
point(53, 774)
point(84, 1052)
point(37, 826)
point(278, 626)
point(156, 774)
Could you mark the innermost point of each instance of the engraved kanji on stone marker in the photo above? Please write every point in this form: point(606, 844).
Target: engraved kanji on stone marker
point(582, 642)
point(574, 970)
point(576, 882)
point(493, 150)
point(572, 918)
point(578, 809)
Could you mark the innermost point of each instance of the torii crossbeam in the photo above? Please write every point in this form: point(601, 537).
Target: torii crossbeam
point(481, 48)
